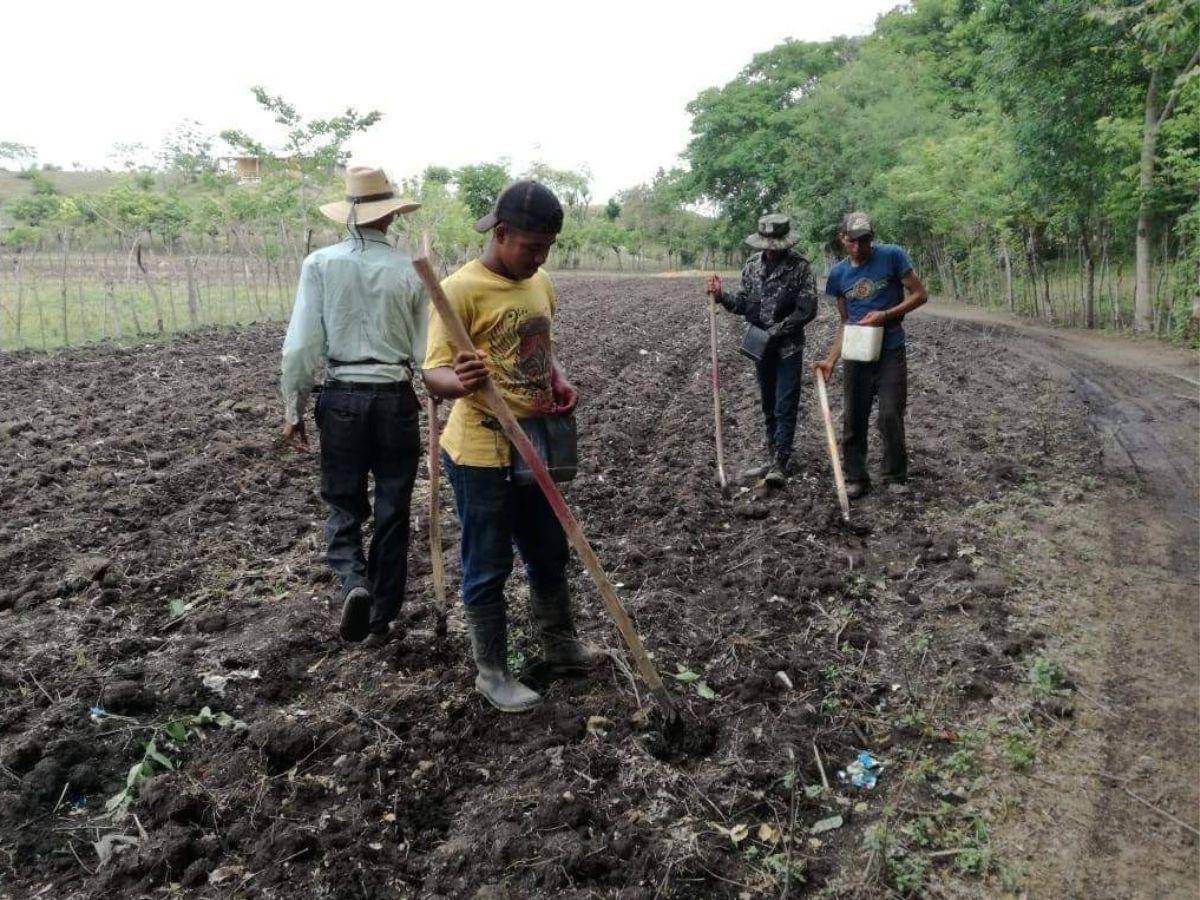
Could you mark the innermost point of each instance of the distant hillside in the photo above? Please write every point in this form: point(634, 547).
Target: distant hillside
point(12, 185)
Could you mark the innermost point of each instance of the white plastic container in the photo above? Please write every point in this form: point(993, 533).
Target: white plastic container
point(862, 343)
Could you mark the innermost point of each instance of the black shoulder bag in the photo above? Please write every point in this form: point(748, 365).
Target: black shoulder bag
point(556, 442)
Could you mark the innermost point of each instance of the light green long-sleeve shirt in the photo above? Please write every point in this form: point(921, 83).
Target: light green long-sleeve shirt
point(354, 302)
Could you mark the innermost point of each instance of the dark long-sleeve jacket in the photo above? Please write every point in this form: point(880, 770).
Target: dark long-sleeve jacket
point(781, 299)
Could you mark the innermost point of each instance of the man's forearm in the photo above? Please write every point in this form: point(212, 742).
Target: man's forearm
point(294, 403)
point(296, 381)
point(835, 349)
point(907, 305)
point(557, 378)
point(443, 383)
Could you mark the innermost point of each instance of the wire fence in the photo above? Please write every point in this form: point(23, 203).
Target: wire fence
point(56, 297)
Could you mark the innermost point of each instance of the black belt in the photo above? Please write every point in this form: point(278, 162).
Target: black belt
point(369, 361)
point(368, 387)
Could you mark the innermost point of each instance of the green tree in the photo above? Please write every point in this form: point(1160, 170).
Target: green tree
point(438, 174)
point(311, 152)
point(738, 154)
point(480, 184)
point(1164, 33)
point(21, 154)
point(187, 152)
point(572, 188)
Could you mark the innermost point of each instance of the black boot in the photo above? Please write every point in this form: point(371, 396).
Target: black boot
point(488, 628)
point(777, 475)
point(356, 615)
point(768, 460)
point(562, 650)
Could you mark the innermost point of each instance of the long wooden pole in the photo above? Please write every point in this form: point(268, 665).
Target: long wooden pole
point(716, 389)
point(435, 508)
point(834, 457)
point(462, 343)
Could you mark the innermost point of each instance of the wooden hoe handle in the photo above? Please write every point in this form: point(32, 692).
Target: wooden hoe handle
point(834, 457)
point(716, 389)
point(462, 343)
point(435, 507)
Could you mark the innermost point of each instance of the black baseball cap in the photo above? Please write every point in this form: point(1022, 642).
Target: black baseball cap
point(526, 206)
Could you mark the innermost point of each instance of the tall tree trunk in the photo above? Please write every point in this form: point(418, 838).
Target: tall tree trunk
point(1008, 280)
point(1089, 278)
point(1143, 307)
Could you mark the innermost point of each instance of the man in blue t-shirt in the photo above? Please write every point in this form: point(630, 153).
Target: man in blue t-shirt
point(873, 286)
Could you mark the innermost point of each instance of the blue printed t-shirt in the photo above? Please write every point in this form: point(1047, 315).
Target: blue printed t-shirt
point(874, 286)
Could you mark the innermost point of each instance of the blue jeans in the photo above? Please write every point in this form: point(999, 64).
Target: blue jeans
point(779, 389)
point(366, 432)
point(495, 514)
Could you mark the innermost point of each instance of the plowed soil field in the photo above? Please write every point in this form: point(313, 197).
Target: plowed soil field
point(166, 624)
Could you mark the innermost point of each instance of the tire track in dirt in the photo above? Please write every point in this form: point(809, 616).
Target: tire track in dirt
point(1137, 651)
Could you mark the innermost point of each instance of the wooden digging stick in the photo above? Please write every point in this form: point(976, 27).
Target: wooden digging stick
point(461, 342)
point(834, 457)
point(435, 507)
point(716, 389)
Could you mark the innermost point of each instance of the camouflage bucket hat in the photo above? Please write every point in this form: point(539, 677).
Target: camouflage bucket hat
point(774, 233)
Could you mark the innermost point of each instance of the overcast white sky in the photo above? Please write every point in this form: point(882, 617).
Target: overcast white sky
point(601, 84)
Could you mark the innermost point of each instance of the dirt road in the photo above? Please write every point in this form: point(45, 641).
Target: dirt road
point(1114, 791)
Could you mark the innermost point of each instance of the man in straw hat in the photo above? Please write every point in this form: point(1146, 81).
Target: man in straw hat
point(362, 311)
point(507, 304)
point(874, 285)
point(778, 297)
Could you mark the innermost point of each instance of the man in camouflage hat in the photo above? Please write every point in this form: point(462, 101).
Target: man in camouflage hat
point(779, 296)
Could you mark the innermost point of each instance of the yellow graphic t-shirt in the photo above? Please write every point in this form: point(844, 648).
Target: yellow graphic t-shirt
point(510, 322)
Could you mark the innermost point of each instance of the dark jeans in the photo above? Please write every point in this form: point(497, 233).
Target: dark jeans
point(363, 432)
point(779, 390)
point(494, 514)
point(888, 379)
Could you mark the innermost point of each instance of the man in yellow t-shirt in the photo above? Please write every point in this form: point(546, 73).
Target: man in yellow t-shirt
point(507, 304)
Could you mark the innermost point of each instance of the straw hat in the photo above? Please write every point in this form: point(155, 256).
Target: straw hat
point(369, 196)
point(774, 233)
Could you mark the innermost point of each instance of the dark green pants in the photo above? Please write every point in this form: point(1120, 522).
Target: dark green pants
point(886, 379)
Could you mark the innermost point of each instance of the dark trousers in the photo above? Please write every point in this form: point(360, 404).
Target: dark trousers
point(886, 379)
point(378, 433)
point(495, 514)
point(779, 389)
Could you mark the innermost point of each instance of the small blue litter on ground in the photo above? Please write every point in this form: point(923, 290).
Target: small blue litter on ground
point(863, 772)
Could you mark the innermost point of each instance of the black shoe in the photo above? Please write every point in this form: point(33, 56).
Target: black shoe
point(356, 615)
point(856, 489)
